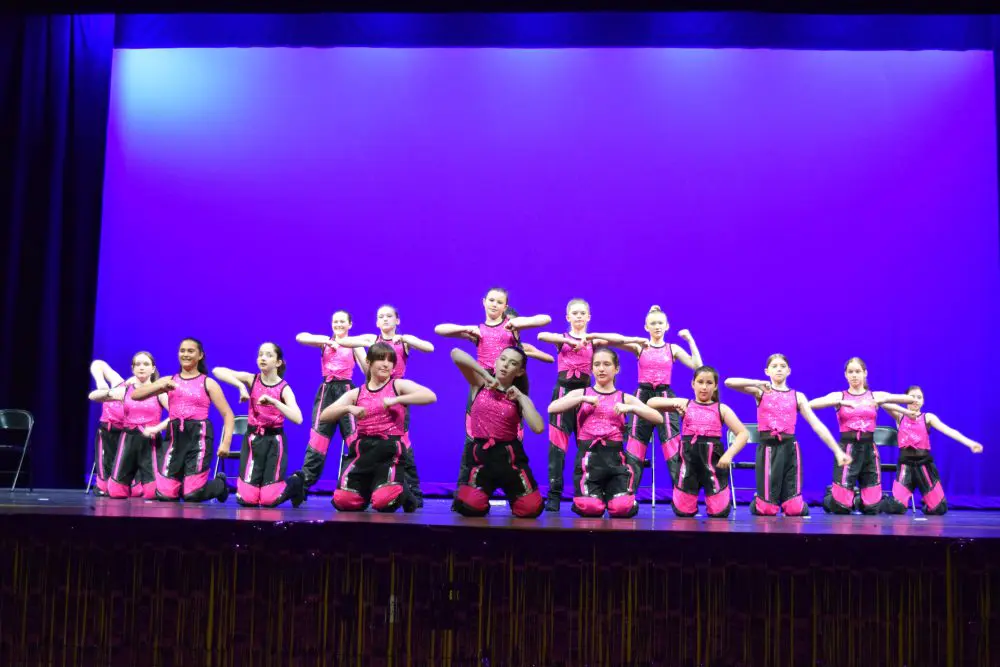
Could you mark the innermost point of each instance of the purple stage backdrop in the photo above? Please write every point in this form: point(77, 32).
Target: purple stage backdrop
point(820, 204)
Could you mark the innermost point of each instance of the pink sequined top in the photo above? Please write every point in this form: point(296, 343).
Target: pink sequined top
point(190, 400)
point(702, 420)
point(265, 416)
point(600, 422)
point(113, 413)
point(493, 339)
point(379, 421)
point(656, 365)
point(575, 363)
point(146, 412)
point(860, 419)
point(913, 433)
point(337, 364)
point(777, 412)
point(492, 415)
point(399, 370)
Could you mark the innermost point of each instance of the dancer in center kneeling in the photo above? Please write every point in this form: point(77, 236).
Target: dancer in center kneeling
point(371, 472)
point(494, 456)
point(606, 476)
point(701, 445)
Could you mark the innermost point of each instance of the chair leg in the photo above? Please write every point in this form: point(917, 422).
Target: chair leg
point(215, 473)
point(652, 466)
point(90, 482)
point(24, 452)
point(732, 488)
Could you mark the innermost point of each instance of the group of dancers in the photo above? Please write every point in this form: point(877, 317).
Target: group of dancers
point(139, 453)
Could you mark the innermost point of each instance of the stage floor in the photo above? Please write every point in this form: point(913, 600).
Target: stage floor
point(957, 524)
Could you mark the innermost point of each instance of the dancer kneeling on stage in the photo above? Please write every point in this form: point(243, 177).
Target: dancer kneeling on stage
point(606, 475)
point(371, 472)
point(916, 466)
point(857, 409)
point(701, 445)
point(183, 460)
point(494, 455)
point(779, 461)
point(264, 458)
point(131, 474)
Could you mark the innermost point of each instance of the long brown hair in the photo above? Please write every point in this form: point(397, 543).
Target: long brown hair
point(864, 367)
point(521, 382)
point(202, 366)
point(715, 374)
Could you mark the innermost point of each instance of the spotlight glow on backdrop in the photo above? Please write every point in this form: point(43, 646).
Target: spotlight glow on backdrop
point(820, 204)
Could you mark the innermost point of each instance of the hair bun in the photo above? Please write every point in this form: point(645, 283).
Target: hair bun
point(655, 309)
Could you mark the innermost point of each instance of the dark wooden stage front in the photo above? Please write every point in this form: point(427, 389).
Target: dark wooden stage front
point(99, 582)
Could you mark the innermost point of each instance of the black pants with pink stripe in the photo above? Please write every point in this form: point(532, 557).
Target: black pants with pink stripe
point(606, 478)
point(562, 427)
point(132, 475)
point(106, 444)
point(916, 471)
point(371, 475)
point(321, 433)
point(183, 462)
point(864, 470)
point(263, 462)
point(699, 460)
point(492, 465)
point(779, 478)
point(669, 432)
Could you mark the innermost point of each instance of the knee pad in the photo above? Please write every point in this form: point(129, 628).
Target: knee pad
point(318, 443)
point(717, 504)
point(118, 490)
point(684, 504)
point(528, 506)
point(871, 496)
point(387, 498)
point(558, 439)
point(247, 494)
point(795, 507)
point(348, 501)
point(470, 501)
point(841, 499)
point(588, 506)
point(623, 507)
point(761, 507)
point(934, 499)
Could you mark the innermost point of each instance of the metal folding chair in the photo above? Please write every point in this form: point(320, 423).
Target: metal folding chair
point(742, 465)
point(885, 436)
point(239, 429)
point(18, 420)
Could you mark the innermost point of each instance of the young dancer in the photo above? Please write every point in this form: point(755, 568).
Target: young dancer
point(494, 454)
point(498, 332)
point(132, 473)
point(605, 476)
point(264, 458)
point(701, 450)
point(387, 319)
point(575, 355)
point(779, 463)
point(857, 409)
point(656, 364)
point(337, 365)
point(916, 466)
point(110, 427)
point(371, 474)
point(183, 459)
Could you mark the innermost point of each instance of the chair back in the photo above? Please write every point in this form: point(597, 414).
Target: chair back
point(16, 420)
point(751, 429)
point(240, 426)
point(885, 436)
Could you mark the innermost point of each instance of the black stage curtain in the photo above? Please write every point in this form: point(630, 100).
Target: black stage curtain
point(55, 75)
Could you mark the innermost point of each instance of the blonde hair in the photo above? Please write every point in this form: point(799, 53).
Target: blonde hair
point(656, 310)
point(572, 301)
